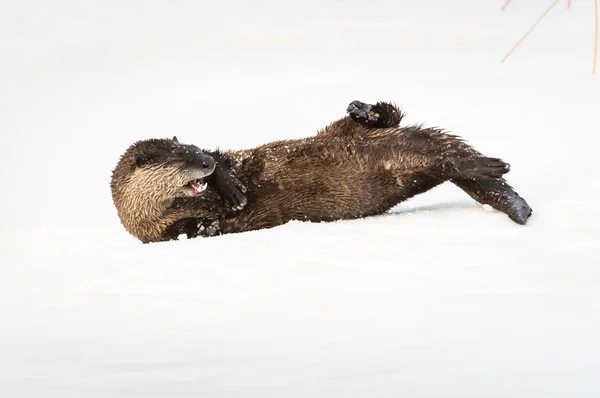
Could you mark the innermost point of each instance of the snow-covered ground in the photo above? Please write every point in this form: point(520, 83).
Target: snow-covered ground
point(440, 298)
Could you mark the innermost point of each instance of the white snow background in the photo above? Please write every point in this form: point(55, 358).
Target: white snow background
point(439, 298)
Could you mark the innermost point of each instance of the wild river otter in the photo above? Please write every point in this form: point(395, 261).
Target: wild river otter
point(360, 165)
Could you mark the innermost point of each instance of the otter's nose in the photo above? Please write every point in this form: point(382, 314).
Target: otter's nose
point(207, 162)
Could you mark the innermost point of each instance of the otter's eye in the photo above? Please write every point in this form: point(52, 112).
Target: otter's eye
point(141, 161)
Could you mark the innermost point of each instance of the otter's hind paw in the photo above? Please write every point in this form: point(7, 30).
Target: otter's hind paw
point(482, 168)
point(365, 114)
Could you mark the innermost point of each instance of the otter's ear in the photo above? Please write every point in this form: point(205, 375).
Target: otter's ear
point(175, 138)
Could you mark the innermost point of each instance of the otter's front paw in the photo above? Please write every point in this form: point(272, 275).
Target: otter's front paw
point(365, 114)
point(229, 187)
point(208, 228)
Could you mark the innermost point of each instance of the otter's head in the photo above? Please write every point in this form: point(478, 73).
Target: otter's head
point(152, 173)
point(166, 168)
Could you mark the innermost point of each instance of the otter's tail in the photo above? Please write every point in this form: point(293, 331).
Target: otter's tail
point(499, 195)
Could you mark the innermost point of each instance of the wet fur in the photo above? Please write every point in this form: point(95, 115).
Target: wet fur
point(350, 169)
point(150, 177)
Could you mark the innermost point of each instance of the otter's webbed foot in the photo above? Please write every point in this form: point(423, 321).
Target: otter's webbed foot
point(227, 185)
point(193, 228)
point(207, 228)
point(481, 168)
point(362, 113)
point(380, 115)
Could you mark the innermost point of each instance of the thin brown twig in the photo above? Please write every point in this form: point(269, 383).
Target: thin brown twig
point(530, 29)
point(595, 38)
point(505, 5)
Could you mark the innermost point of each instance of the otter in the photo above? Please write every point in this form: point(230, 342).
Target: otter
point(360, 165)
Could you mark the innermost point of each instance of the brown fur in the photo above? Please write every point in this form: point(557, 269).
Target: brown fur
point(148, 178)
point(347, 171)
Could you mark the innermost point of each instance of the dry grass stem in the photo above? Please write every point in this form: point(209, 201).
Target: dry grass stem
point(595, 38)
point(530, 30)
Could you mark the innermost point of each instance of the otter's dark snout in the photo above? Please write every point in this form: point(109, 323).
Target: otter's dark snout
point(193, 156)
point(207, 164)
point(204, 161)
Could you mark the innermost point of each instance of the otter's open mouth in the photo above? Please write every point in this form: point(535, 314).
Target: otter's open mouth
point(198, 185)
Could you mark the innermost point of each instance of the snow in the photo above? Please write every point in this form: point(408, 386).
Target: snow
point(439, 298)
